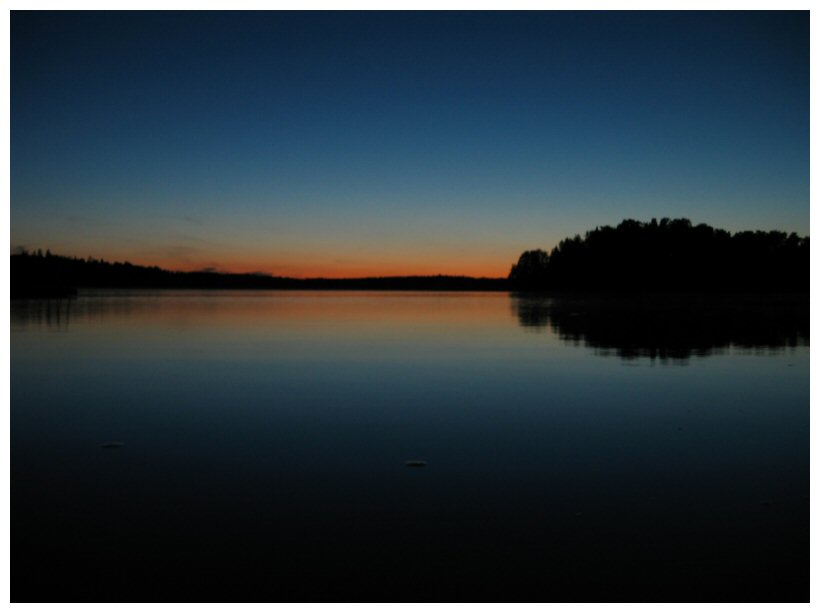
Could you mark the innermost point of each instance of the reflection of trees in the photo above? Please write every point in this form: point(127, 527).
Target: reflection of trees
point(51, 313)
point(669, 326)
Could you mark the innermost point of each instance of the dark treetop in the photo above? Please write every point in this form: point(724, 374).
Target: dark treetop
point(670, 255)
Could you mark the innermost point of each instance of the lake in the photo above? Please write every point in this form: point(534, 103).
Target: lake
point(577, 448)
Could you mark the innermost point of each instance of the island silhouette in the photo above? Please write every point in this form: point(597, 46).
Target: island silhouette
point(670, 254)
point(665, 255)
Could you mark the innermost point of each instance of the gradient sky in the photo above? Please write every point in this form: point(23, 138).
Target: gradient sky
point(348, 144)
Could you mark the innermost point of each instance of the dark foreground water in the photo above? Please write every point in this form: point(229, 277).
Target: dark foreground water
point(578, 448)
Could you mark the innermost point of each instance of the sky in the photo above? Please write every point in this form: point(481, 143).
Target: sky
point(364, 144)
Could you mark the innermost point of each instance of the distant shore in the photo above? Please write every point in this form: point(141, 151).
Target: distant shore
point(670, 255)
point(54, 276)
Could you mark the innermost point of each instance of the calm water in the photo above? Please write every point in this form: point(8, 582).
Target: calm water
point(596, 448)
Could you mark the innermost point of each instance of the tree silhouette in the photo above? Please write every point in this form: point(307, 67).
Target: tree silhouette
point(42, 276)
point(531, 268)
point(668, 255)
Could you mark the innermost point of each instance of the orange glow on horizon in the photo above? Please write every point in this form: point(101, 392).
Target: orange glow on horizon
point(489, 262)
point(350, 271)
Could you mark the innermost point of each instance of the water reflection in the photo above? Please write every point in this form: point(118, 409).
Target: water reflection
point(668, 327)
point(266, 435)
point(53, 314)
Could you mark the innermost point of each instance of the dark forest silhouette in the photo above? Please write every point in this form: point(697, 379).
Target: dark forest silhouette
point(43, 275)
point(668, 255)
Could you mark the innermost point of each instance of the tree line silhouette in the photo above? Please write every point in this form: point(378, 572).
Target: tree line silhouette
point(43, 275)
point(668, 255)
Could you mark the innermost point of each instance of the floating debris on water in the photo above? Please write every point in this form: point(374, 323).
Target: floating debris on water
point(415, 463)
point(112, 445)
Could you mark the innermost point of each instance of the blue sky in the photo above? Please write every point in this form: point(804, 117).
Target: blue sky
point(397, 143)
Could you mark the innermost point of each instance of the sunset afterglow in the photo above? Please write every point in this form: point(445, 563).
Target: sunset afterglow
point(354, 144)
